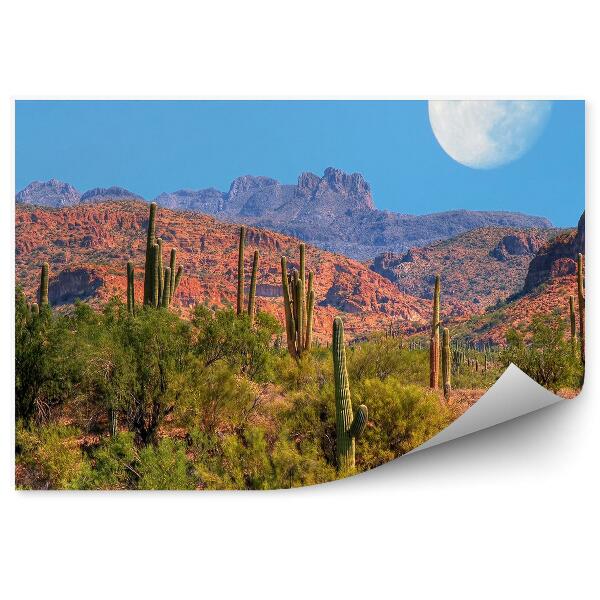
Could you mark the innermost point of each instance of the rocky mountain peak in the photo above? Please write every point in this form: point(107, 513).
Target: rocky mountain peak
point(111, 193)
point(53, 193)
point(250, 183)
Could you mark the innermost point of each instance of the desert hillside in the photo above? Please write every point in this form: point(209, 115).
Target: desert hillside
point(88, 245)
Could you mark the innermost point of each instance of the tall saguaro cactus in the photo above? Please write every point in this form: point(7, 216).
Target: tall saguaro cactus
point(446, 363)
point(240, 275)
point(434, 343)
point(43, 293)
point(148, 267)
point(573, 323)
point(252, 293)
point(299, 305)
point(581, 298)
point(348, 427)
point(130, 288)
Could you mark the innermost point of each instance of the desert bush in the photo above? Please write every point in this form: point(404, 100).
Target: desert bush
point(164, 467)
point(112, 465)
point(51, 455)
point(222, 335)
point(401, 417)
point(543, 352)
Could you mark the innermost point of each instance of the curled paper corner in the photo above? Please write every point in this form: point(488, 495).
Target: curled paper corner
point(513, 395)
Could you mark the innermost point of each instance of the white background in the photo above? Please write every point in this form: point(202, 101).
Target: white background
point(508, 513)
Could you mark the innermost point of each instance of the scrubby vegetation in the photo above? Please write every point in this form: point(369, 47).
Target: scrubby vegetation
point(137, 397)
point(112, 400)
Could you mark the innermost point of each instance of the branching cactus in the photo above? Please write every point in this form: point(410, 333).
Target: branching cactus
point(299, 306)
point(240, 275)
point(434, 342)
point(252, 294)
point(148, 267)
point(446, 363)
point(43, 293)
point(581, 298)
point(348, 427)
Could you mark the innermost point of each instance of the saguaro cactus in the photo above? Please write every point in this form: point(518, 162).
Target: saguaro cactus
point(446, 363)
point(43, 293)
point(434, 342)
point(240, 282)
point(159, 266)
point(348, 427)
point(581, 298)
point(172, 267)
point(252, 294)
point(130, 288)
point(148, 268)
point(573, 323)
point(299, 305)
point(166, 289)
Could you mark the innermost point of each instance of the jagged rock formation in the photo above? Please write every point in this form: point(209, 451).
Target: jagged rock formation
point(335, 212)
point(557, 258)
point(517, 244)
point(478, 268)
point(49, 193)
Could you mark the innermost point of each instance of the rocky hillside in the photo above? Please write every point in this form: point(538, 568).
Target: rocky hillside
point(88, 245)
point(478, 268)
point(550, 280)
point(335, 212)
point(557, 258)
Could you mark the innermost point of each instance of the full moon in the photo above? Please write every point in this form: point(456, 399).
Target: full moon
point(483, 134)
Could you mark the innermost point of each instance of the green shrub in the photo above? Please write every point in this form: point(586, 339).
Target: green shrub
point(401, 417)
point(51, 455)
point(112, 465)
point(543, 352)
point(164, 467)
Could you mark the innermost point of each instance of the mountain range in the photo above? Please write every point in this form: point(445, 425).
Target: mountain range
point(335, 212)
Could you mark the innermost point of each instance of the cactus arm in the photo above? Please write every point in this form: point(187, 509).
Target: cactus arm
point(177, 279)
point(166, 289)
point(301, 318)
point(160, 270)
point(360, 422)
point(290, 327)
point(446, 362)
point(172, 267)
point(148, 270)
point(155, 276)
point(581, 299)
point(130, 293)
point(309, 317)
point(252, 294)
point(240, 274)
point(43, 294)
point(434, 346)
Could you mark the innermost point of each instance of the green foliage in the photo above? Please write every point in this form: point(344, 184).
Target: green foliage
point(401, 417)
point(164, 467)
point(51, 455)
point(543, 352)
point(113, 465)
point(244, 346)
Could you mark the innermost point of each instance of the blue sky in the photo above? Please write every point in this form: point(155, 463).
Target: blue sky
point(155, 146)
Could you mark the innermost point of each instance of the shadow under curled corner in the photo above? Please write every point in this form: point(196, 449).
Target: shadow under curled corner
point(513, 395)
